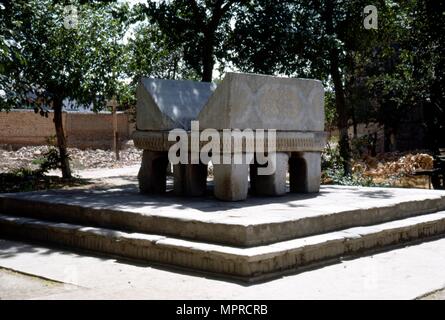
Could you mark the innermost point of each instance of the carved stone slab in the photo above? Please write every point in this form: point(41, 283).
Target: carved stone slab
point(170, 104)
point(265, 102)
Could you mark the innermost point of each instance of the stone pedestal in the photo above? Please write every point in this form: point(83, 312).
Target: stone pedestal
point(305, 172)
point(190, 179)
point(270, 185)
point(153, 172)
point(287, 113)
point(231, 181)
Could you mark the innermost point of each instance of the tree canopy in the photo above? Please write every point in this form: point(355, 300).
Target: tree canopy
point(62, 54)
point(200, 27)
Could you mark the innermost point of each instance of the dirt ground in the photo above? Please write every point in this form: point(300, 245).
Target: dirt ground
point(80, 159)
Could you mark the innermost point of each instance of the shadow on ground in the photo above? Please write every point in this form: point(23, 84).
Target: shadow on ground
point(9, 249)
point(127, 196)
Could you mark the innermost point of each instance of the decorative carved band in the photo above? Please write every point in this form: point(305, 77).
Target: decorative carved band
point(290, 141)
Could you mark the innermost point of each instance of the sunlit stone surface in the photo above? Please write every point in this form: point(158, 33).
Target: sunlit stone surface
point(293, 107)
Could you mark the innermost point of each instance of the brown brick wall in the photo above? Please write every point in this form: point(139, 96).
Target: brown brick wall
point(83, 130)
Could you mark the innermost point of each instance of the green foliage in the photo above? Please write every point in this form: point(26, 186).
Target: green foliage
point(330, 157)
point(151, 55)
point(333, 171)
point(365, 144)
point(23, 180)
point(294, 37)
point(26, 179)
point(199, 29)
point(10, 56)
point(329, 110)
point(49, 161)
point(407, 65)
point(336, 176)
point(23, 173)
point(370, 75)
point(82, 63)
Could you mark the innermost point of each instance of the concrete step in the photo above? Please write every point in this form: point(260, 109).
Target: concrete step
point(250, 264)
point(257, 221)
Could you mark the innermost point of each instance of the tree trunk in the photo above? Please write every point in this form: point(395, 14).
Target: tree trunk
point(340, 101)
point(354, 123)
point(61, 141)
point(207, 57)
point(342, 114)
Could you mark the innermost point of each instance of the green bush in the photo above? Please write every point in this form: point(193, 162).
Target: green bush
point(333, 172)
point(49, 161)
point(26, 179)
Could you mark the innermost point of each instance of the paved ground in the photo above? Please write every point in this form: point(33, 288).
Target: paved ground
point(107, 177)
point(15, 285)
point(405, 273)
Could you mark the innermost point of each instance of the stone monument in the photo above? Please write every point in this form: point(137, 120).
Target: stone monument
point(292, 107)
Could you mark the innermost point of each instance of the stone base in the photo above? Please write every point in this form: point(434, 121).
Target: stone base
point(251, 240)
point(270, 185)
point(153, 172)
point(305, 172)
point(190, 180)
point(303, 148)
point(231, 181)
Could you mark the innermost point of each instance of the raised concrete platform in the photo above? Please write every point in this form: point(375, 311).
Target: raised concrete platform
point(259, 220)
point(409, 272)
point(251, 264)
point(250, 240)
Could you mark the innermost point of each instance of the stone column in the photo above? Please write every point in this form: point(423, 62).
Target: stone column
point(231, 181)
point(305, 172)
point(273, 184)
point(152, 174)
point(190, 179)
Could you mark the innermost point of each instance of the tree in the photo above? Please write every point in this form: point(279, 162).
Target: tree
point(406, 67)
point(200, 27)
point(308, 38)
point(65, 56)
point(10, 56)
point(149, 53)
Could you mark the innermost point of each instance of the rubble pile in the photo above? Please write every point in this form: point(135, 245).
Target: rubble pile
point(28, 157)
point(393, 164)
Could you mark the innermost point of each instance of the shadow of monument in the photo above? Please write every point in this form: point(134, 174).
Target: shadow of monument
point(127, 197)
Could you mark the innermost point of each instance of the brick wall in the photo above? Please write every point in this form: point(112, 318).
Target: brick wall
point(83, 130)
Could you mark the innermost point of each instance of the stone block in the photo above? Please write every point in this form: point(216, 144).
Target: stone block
point(190, 179)
point(231, 181)
point(305, 172)
point(169, 104)
point(265, 102)
point(153, 172)
point(273, 184)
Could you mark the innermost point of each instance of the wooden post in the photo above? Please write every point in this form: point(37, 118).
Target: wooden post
point(113, 104)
